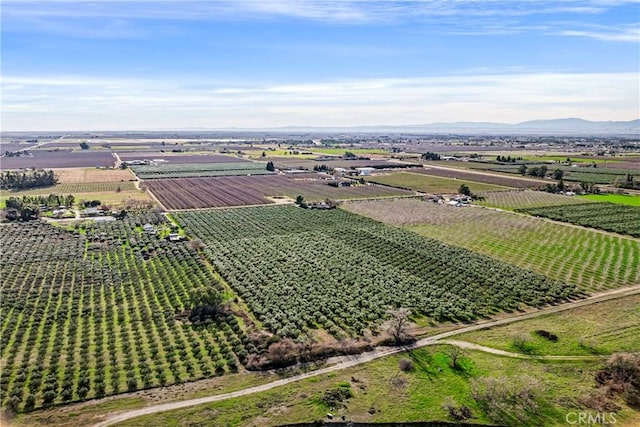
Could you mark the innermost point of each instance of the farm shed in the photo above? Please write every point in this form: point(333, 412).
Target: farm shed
point(365, 171)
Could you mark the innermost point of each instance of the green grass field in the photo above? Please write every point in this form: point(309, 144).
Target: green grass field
point(383, 393)
point(601, 328)
point(430, 184)
point(589, 259)
point(621, 199)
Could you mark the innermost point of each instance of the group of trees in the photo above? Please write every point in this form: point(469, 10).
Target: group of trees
point(628, 182)
point(27, 208)
point(430, 156)
point(507, 159)
point(271, 167)
point(466, 191)
point(540, 172)
point(12, 180)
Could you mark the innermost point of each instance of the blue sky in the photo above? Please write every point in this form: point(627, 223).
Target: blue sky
point(99, 65)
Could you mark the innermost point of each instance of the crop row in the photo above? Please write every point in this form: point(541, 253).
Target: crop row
point(91, 311)
point(589, 259)
point(43, 159)
point(185, 193)
point(300, 269)
point(493, 178)
point(85, 187)
point(526, 199)
point(617, 218)
point(200, 169)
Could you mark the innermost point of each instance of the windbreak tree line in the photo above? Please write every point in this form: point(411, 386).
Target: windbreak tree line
point(17, 180)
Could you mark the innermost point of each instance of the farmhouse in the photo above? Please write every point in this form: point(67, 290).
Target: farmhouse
point(148, 228)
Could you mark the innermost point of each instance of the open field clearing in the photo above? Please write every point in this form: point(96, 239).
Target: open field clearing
point(179, 158)
point(381, 392)
point(84, 175)
point(480, 177)
point(612, 217)
point(602, 328)
point(201, 170)
point(189, 193)
point(512, 200)
point(90, 311)
point(301, 268)
point(430, 184)
point(621, 199)
point(589, 259)
point(40, 159)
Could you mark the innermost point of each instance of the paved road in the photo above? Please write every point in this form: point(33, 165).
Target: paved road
point(40, 144)
point(344, 362)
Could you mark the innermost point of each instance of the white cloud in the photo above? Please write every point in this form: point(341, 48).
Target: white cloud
point(69, 103)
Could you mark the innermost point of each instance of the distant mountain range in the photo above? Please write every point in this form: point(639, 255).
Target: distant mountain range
point(567, 126)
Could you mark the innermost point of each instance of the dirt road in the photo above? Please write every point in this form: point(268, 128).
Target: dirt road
point(344, 362)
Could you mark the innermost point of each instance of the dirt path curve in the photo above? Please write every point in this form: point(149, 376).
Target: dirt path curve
point(344, 362)
point(478, 347)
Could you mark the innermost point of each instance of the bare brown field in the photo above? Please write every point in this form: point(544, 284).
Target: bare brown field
point(59, 159)
point(190, 193)
point(82, 175)
point(180, 158)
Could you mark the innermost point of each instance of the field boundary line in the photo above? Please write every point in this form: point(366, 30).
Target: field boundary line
point(344, 362)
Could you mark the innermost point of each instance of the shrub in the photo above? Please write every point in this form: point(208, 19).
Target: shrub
point(456, 412)
point(548, 335)
point(406, 365)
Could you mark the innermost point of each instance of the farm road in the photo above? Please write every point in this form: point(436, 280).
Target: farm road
point(344, 362)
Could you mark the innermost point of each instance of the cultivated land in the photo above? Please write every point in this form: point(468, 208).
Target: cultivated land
point(91, 311)
point(299, 269)
point(189, 193)
point(430, 184)
point(592, 260)
point(59, 159)
point(512, 200)
point(179, 158)
point(101, 308)
point(86, 175)
point(481, 177)
point(612, 217)
point(200, 169)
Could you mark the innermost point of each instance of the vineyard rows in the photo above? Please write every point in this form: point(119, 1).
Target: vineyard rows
point(617, 218)
point(91, 312)
point(591, 260)
point(200, 169)
point(526, 199)
point(186, 193)
point(299, 269)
